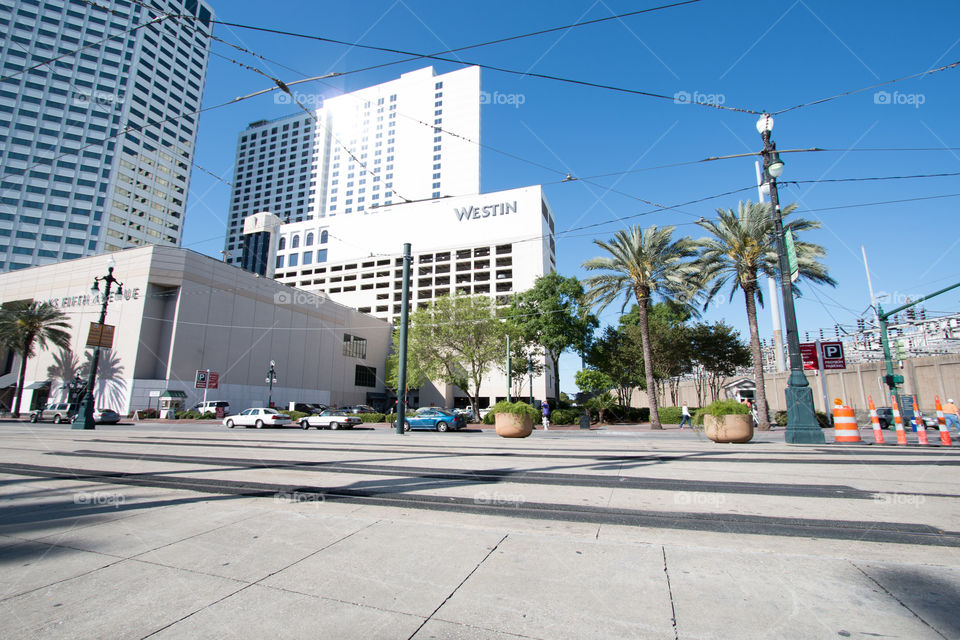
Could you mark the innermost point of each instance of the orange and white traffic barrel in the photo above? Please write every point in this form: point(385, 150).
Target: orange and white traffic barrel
point(875, 421)
point(898, 421)
point(942, 424)
point(844, 423)
point(918, 421)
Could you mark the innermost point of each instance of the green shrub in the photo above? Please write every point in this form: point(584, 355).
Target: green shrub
point(146, 414)
point(372, 417)
point(517, 408)
point(629, 414)
point(780, 418)
point(208, 415)
point(391, 418)
point(671, 415)
point(565, 416)
point(489, 418)
point(296, 416)
point(725, 407)
point(186, 415)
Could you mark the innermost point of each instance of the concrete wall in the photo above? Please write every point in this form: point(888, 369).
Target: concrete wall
point(923, 377)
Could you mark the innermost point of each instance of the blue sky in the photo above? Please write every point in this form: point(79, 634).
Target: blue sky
point(758, 55)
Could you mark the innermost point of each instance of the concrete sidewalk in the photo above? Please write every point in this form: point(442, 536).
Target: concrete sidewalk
point(151, 531)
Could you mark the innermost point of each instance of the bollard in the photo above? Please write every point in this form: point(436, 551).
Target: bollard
point(942, 424)
point(918, 421)
point(898, 421)
point(875, 421)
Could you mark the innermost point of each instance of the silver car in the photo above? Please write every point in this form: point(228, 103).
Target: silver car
point(57, 412)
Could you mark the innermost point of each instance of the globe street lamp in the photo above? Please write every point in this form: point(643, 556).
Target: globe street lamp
point(271, 378)
point(84, 418)
point(802, 426)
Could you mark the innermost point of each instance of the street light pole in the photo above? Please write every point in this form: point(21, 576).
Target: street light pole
point(802, 426)
point(84, 419)
point(530, 373)
point(271, 378)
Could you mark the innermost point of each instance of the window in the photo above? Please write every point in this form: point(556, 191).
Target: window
point(321, 255)
point(295, 242)
point(282, 244)
point(365, 376)
point(354, 346)
point(323, 237)
point(309, 241)
point(279, 262)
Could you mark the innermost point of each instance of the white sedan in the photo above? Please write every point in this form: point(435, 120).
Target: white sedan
point(331, 419)
point(259, 417)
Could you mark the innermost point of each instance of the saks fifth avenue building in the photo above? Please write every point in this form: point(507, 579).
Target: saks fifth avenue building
point(179, 312)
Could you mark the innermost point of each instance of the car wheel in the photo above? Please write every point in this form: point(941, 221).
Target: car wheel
point(334, 426)
point(229, 424)
point(33, 418)
point(406, 426)
point(304, 424)
point(57, 419)
point(442, 426)
point(259, 424)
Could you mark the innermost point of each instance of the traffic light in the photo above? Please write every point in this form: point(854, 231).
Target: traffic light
point(821, 334)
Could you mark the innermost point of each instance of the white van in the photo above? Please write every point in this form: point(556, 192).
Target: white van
point(211, 406)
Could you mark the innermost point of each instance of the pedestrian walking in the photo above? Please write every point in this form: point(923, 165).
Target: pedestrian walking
point(951, 415)
point(545, 409)
point(685, 412)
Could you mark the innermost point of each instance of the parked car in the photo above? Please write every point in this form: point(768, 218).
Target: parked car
point(331, 419)
point(57, 412)
point(358, 408)
point(105, 416)
point(885, 416)
point(311, 408)
point(435, 420)
point(258, 417)
point(211, 406)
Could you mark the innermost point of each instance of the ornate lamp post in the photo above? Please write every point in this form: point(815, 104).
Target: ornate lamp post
point(271, 378)
point(75, 388)
point(802, 426)
point(85, 411)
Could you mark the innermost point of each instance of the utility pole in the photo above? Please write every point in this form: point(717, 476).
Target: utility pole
point(402, 356)
point(772, 296)
point(509, 375)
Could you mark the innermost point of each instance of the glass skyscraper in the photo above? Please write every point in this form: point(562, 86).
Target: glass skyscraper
point(98, 124)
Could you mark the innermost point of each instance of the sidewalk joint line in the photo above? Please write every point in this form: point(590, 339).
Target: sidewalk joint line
point(673, 608)
point(898, 600)
point(457, 588)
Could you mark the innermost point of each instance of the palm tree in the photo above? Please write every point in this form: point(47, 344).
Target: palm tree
point(642, 264)
point(741, 247)
point(24, 325)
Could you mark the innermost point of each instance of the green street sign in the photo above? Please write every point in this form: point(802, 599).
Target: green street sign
point(791, 255)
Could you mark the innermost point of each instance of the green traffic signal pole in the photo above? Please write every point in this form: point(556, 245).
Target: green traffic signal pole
point(883, 316)
point(402, 356)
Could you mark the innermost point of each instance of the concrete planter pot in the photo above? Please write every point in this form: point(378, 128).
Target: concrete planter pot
point(510, 425)
point(728, 428)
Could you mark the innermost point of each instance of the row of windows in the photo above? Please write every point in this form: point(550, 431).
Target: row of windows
point(294, 259)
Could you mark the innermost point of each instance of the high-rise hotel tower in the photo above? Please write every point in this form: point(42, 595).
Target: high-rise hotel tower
point(98, 121)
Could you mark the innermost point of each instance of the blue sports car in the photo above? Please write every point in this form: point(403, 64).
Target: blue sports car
point(435, 420)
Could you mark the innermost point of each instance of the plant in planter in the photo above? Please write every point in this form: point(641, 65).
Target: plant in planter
point(727, 421)
point(514, 419)
point(601, 404)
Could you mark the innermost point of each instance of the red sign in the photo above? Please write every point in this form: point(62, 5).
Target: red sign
point(808, 351)
point(832, 353)
point(213, 380)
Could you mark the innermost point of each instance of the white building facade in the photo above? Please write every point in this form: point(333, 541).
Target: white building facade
point(492, 244)
point(96, 146)
point(409, 139)
point(180, 312)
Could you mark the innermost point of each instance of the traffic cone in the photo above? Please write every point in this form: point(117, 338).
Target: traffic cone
point(875, 421)
point(898, 421)
point(918, 421)
point(844, 423)
point(942, 423)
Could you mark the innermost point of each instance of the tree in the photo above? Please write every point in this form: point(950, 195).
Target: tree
point(740, 248)
point(26, 325)
point(717, 353)
point(642, 264)
point(592, 381)
point(620, 357)
point(456, 340)
point(525, 358)
point(669, 340)
point(554, 314)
